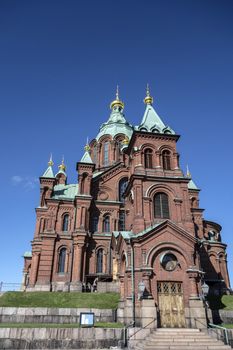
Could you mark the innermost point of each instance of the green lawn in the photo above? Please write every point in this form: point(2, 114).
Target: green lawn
point(60, 299)
point(226, 325)
point(58, 325)
point(223, 302)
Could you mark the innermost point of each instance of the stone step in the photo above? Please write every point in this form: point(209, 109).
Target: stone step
point(164, 336)
point(193, 343)
point(179, 330)
point(180, 339)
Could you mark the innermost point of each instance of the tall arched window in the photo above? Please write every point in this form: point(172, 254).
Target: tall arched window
point(95, 221)
point(106, 153)
point(148, 158)
point(99, 265)
point(122, 187)
point(161, 207)
point(65, 224)
point(106, 224)
point(62, 260)
point(82, 185)
point(166, 159)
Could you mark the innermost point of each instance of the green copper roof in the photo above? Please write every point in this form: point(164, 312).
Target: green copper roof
point(116, 124)
point(192, 185)
point(61, 172)
point(27, 255)
point(130, 234)
point(65, 191)
point(151, 122)
point(48, 172)
point(86, 158)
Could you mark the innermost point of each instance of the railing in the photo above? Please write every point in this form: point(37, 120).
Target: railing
point(6, 287)
point(211, 325)
point(126, 339)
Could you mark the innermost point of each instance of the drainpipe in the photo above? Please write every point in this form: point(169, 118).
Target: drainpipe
point(132, 282)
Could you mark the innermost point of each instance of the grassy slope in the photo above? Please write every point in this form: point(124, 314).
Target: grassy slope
point(56, 299)
point(225, 302)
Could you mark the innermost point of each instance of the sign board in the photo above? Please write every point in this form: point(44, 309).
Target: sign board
point(87, 319)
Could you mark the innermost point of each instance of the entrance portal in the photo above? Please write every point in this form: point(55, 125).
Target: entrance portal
point(171, 304)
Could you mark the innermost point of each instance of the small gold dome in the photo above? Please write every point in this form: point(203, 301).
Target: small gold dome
point(87, 147)
point(125, 141)
point(50, 162)
point(117, 101)
point(62, 166)
point(148, 100)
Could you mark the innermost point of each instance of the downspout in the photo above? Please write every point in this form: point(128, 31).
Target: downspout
point(132, 282)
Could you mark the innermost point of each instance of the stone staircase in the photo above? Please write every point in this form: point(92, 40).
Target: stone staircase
point(180, 339)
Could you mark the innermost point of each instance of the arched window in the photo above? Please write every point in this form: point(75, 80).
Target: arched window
point(148, 158)
point(106, 224)
point(122, 220)
point(106, 153)
point(65, 224)
point(62, 260)
point(99, 265)
point(161, 207)
point(95, 221)
point(82, 185)
point(166, 159)
point(122, 187)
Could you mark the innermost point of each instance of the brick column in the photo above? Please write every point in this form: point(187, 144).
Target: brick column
point(76, 270)
point(34, 268)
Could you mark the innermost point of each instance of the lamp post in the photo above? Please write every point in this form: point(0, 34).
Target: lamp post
point(205, 291)
point(141, 289)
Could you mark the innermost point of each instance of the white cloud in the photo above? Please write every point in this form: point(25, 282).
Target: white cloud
point(16, 179)
point(27, 182)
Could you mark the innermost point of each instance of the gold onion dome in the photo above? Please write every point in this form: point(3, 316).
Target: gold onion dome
point(87, 148)
point(62, 166)
point(50, 162)
point(125, 141)
point(117, 101)
point(148, 100)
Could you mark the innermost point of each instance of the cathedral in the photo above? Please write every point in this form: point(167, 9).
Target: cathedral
point(132, 224)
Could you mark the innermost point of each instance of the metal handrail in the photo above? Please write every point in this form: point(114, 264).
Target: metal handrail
point(220, 327)
point(142, 328)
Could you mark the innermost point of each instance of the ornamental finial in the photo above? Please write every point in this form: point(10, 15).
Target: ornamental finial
point(62, 166)
point(50, 162)
point(148, 100)
point(188, 174)
point(87, 147)
point(117, 101)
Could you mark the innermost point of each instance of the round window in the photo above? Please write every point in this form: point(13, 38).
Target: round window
point(169, 262)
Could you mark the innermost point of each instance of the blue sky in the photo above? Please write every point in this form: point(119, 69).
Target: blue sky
point(60, 62)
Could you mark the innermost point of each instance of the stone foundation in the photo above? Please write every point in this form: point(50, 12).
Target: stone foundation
point(60, 338)
point(52, 315)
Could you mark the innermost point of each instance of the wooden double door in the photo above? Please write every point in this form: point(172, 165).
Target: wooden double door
point(171, 304)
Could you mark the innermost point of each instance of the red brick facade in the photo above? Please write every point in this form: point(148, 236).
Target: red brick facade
point(133, 198)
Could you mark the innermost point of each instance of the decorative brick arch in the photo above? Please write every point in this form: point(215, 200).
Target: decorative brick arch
point(154, 251)
point(150, 192)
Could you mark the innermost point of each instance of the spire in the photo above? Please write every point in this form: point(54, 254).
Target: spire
point(86, 158)
point(116, 123)
point(117, 102)
point(49, 171)
point(148, 100)
point(191, 184)
point(151, 122)
point(188, 174)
